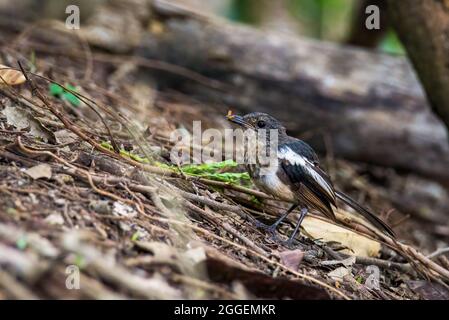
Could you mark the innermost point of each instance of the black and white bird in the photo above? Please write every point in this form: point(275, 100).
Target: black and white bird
point(297, 177)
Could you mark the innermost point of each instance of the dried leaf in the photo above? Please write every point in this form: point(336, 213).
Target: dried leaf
point(39, 171)
point(65, 136)
point(292, 258)
point(20, 118)
point(339, 273)
point(359, 245)
point(428, 290)
point(10, 76)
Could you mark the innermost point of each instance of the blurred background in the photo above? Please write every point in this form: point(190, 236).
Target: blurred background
point(339, 21)
point(332, 20)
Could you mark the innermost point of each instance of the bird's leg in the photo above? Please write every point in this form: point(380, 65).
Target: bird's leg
point(302, 214)
point(272, 228)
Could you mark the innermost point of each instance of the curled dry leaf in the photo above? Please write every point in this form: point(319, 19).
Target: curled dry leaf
point(11, 77)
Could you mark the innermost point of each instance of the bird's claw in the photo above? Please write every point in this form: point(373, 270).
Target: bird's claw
point(268, 228)
point(260, 225)
point(271, 229)
point(274, 237)
point(289, 244)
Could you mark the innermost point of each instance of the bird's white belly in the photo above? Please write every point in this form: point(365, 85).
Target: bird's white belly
point(271, 184)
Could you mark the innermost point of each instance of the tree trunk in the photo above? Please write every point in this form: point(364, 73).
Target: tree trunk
point(423, 27)
point(360, 35)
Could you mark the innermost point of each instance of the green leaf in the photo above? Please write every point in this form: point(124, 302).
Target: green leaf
point(125, 153)
point(106, 145)
point(391, 44)
point(80, 261)
point(213, 171)
point(135, 236)
point(55, 89)
point(22, 243)
point(205, 170)
point(212, 167)
point(58, 91)
point(71, 97)
point(255, 200)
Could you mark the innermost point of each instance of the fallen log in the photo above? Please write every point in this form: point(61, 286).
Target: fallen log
point(369, 105)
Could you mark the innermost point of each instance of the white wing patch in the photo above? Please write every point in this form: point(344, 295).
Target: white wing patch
point(295, 159)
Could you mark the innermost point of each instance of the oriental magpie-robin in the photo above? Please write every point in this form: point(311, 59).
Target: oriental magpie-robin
point(297, 177)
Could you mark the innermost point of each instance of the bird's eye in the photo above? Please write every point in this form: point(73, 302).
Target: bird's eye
point(261, 123)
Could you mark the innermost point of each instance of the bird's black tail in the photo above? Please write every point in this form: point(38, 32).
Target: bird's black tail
point(371, 217)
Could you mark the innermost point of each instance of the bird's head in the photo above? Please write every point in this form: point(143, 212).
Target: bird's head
point(256, 121)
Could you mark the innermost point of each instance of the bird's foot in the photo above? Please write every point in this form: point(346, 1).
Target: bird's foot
point(294, 242)
point(274, 237)
point(289, 244)
point(268, 228)
point(271, 229)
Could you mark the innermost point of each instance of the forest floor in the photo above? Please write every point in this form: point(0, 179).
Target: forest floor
point(86, 184)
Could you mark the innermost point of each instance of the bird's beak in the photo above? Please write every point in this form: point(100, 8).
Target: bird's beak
point(238, 120)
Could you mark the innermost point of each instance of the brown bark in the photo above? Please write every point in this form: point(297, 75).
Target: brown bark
point(423, 27)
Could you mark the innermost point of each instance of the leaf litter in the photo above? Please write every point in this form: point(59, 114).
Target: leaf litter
point(106, 198)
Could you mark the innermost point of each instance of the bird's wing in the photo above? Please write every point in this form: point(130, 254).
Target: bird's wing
point(301, 166)
point(303, 171)
point(303, 149)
